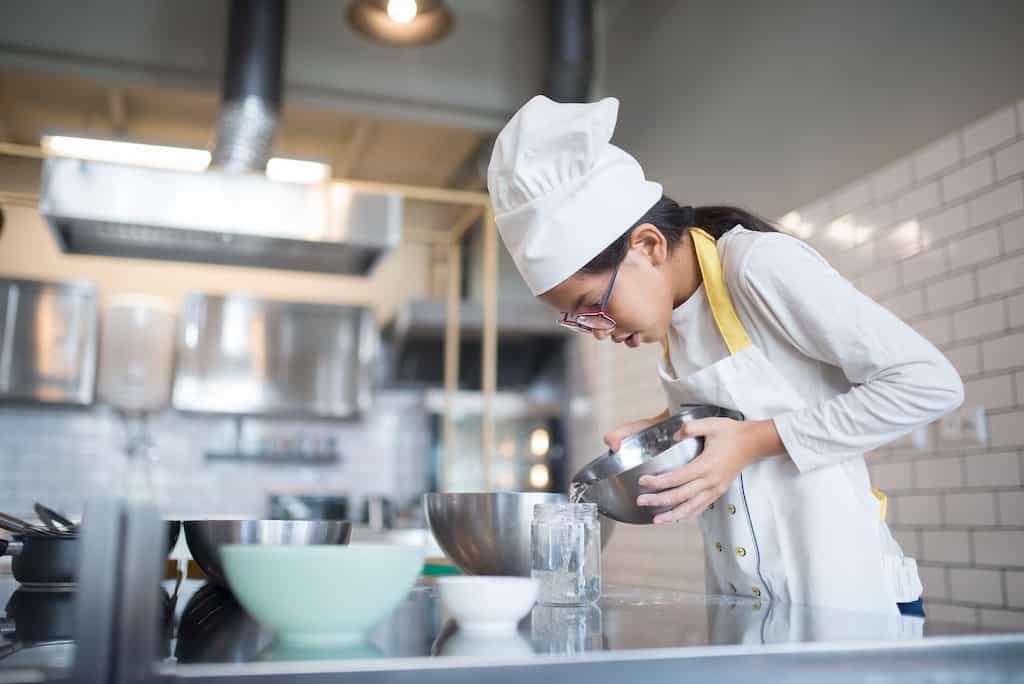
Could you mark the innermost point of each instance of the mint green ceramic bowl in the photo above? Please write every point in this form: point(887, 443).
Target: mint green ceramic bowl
point(321, 596)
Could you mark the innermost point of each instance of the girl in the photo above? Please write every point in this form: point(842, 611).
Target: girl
point(750, 319)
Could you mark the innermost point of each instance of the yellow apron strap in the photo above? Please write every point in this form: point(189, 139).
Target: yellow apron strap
point(883, 500)
point(735, 337)
point(729, 325)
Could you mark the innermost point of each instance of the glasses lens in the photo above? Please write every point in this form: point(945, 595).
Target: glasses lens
point(595, 322)
point(572, 325)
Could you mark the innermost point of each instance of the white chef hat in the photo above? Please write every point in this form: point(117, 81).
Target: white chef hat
point(561, 191)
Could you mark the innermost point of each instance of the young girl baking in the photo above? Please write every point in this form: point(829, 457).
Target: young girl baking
point(750, 319)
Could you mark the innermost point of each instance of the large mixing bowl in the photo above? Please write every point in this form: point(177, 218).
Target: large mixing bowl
point(205, 537)
point(611, 481)
point(488, 533)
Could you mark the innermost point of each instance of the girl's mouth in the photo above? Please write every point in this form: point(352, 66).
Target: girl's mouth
point(633, 341)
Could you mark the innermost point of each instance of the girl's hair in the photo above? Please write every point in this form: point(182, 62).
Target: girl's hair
point(673, 221)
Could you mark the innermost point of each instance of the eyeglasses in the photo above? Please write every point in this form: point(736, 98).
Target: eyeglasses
point(593, 321)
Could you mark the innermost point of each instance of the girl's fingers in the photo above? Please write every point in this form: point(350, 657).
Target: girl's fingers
point(673, 497)
point(688, 509)
point(674, 478)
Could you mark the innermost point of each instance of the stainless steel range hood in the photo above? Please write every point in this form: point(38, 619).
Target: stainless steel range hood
point(216, 217)
point(231, 213)
point(528, 340)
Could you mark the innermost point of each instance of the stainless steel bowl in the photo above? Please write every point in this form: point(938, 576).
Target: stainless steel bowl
point(488, 533)
point(611, 481)
point(205, 537)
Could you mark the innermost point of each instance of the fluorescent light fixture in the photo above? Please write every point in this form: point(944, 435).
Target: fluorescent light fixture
point(297, 171)
point(121, 152)
point(170, 157)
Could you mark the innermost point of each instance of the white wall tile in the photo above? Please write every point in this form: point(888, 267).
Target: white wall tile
point(937, 329)
point(993, 205)
point(1004, 620)
point(909, 541)
point(1001, 469)
point(1011, 506)
point(1006, 429)
point(1015, 310)
point(993, 393)
point(1001, 277)
point(945, 545)
point(857, 260)
point(924, 266)
point(920, 509)
point(1015, 588)
point(966, 359)
point(952, 615)
point(898, 242)
point(933, 579)
point(999, 547)
point(916, 202)
point(939, 473)
point(892, 179)
point(945, 224)
point(880, 281)
point(906, 305)
point(969, 585)
point(990, 132)
point(968, 180)
point(980, 320)
point(877, 218)
point(974, 249)
point(891, 476)
point(1013, 235)
point(976, 508)
point(1005, 352)
point(936, 157)
point(851, 197)
point(949, 293)
point(1019, 381)
point(1010, 161)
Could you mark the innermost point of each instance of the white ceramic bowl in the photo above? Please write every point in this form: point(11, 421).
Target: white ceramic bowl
point(321, 596)
point(488, 604)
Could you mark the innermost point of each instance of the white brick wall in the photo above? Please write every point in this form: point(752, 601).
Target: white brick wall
point(946, 252)
point(64, 457)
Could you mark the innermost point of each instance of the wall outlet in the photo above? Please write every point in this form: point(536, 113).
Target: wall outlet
point(968, 425)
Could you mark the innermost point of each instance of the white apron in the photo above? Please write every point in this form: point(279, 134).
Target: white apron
point(813, 538)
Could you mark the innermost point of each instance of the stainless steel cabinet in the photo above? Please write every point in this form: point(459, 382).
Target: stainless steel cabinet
point(243, 355)
point(48, 337)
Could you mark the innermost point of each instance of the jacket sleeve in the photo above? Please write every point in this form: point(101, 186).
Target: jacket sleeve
point(899, 380)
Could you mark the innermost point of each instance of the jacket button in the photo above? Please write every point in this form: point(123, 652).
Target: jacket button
point(732, 587)
point(732, 509)
point(711, 506)
point(718, 546)
point(757, 592)
point(740, 551)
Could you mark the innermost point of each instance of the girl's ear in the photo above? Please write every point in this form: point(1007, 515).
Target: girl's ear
point(649, 242)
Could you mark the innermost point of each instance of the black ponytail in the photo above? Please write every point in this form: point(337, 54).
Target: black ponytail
point(673, 221)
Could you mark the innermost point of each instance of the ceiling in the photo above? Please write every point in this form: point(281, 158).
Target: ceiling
point(357, 146)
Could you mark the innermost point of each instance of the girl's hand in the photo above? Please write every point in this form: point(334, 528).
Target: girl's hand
point(614, 438)
point(729, 446)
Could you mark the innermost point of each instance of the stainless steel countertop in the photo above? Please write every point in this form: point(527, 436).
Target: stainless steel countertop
point(632, 634)
point(639, 632)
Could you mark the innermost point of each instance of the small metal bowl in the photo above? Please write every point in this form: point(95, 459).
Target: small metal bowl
point(611, 481)
point(205, 537)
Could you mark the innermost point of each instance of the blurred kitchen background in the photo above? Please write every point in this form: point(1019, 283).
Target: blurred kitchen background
point(889, 135)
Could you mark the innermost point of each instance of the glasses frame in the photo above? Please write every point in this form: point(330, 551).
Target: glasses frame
point(578, 321)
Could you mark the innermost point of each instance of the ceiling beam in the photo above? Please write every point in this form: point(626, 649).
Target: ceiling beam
point(356, 147)
point(118, 110)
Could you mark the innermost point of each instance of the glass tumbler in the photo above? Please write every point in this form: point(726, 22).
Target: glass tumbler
point(566, 553)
